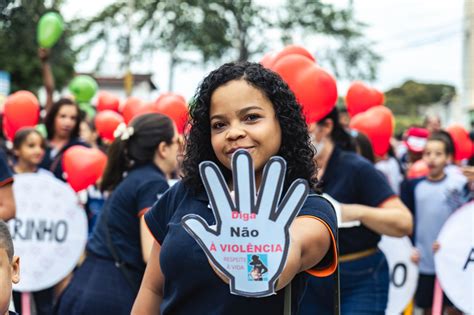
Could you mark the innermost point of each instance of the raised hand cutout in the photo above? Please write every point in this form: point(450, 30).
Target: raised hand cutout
point(249, 243)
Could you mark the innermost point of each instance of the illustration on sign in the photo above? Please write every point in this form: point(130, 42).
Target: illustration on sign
point(249, 243)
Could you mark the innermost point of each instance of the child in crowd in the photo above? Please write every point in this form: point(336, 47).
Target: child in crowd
point(432, 199)
point(9, 268)
point(29, 147)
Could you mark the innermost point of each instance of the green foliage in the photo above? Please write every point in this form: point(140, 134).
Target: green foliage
point(403, 122)
point(411, 95)
point(226, 30)
point(19, 50)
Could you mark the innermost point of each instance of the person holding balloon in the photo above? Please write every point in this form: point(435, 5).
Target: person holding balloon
point(62, 124)
point(237, 106)
point(142, 155)
point(432, 199)
point(368, 208)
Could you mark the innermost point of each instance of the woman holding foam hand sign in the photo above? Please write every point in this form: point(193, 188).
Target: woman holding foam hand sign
point(239, 106)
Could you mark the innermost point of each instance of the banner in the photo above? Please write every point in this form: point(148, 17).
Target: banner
point(454, 261)
point(49, 232)
point(403, 272)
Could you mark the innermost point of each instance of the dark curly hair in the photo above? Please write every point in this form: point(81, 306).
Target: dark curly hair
point(295, 146)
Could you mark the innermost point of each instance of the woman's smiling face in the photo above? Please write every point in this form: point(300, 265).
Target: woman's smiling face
point(242, 117)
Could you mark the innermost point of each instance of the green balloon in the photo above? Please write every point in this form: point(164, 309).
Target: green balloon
point(42, 130)
point(83, 87)
point(50, 28)
point(88, 109)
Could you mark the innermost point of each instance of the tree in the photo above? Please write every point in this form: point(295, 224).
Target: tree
point(227, 30)
point(19, 50)
point(406, 99)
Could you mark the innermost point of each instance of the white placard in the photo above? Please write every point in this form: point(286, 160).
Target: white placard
point(403, 272)
point(49, 232)
point(454, 261)
point(249, 243)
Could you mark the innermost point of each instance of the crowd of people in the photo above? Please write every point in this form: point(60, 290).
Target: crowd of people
point(139, 259)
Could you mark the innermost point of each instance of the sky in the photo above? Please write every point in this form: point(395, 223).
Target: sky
point(417, 39)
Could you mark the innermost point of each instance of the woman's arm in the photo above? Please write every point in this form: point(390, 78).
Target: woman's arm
point(146, 240)
point(310, 240)
point(392, 218)
point(151, 291)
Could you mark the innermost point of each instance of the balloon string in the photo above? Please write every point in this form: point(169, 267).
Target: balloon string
point(25, 303)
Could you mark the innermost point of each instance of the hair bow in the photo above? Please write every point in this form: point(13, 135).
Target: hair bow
point(123, 132)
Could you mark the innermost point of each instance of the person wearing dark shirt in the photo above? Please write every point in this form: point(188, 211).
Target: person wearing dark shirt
point(245, 106)
point(62, 124)
point(7, 202)
point(369, 204)
point(108, 280)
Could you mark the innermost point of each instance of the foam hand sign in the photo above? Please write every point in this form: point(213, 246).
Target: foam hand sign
point(249, 243)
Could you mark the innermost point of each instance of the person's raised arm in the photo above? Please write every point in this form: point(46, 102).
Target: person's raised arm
point(149, 297)
point(48, 78)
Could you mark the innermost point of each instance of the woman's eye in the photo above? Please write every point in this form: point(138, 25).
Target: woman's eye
point(217, 125)
point(251, 117)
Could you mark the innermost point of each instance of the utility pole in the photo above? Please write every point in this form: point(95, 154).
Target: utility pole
point(128, 78)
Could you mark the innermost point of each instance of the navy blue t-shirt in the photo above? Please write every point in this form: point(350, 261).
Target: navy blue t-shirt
point(135, 194)
point(351, 179)
point(53, 162)
point(191, 286)
point(6, 175)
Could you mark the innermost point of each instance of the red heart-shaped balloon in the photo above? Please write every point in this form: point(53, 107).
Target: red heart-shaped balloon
point(418, 169)
point(314, 88)
point(135, 107)
point(270, 59)
point(21, 110)
point(107, 101)
point(462, 142)
point(361, 97)
point(175, 107)
point(377, 123)
point(83, 166)
point(106, 122)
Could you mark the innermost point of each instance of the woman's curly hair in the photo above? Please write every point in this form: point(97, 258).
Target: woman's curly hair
point(295, 147)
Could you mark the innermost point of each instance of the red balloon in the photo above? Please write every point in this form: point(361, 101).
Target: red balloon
point(106, 122)
point(107, 101)
point(377, 123)
point(175, 107)
point(135, 107)
point(21, 110)
point(314, 88)
point(462, 142)
point(83, 166)
point(418, 169)
point(170, 94)
point(361, 97)
point(270, 59)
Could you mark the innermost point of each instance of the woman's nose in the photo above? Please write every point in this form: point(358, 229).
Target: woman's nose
point(235, 132)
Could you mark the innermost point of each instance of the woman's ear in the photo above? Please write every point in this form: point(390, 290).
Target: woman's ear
point(328, 126)
point(161, 149)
